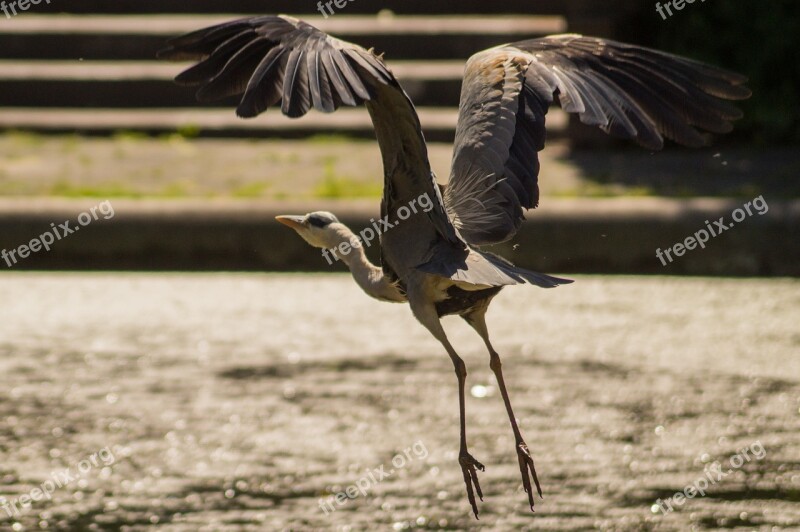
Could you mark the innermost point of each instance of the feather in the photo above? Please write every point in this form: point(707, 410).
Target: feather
point(626, 90)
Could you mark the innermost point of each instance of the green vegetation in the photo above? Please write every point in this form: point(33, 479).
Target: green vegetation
point(595, 190)
point(327, 139)
point(334, 186)
point(132, 165)
point(189, 131)
point(338, 188)
point(250, 190)
point(68, 189)
point(176, 190)
point(24, 139)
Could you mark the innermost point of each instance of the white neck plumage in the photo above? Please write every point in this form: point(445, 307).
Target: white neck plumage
point(367, 275)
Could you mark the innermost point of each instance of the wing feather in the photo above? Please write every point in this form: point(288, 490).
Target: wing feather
point(319, 84)
point(628, 91)
point(214, 63)
point(275, 60)
point(342, 92)
point(352, 78)
point(235, 75)
point(260, 94)
point(296, 98)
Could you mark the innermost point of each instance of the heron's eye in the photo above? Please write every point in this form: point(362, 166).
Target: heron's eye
point(318, 221)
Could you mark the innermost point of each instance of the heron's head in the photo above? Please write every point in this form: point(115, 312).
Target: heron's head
point(320, 229)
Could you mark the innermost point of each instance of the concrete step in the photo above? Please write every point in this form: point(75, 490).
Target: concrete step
point(120, 87)
point(438, 123)
point(166, 71)
point(614, 236)
point(95, 73)
point(350, 24)
point(293, 7)
point(97, 37)
point(134, 84)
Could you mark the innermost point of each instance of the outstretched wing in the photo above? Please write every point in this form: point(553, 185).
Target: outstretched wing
point(628, 91)
point(273, 60)
point(276, 59)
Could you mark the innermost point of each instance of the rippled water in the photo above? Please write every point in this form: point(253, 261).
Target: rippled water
point(244, 402)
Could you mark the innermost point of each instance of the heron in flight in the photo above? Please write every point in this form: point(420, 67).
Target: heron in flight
point(431, 258)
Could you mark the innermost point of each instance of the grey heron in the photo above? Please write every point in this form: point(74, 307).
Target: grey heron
point(432, 259)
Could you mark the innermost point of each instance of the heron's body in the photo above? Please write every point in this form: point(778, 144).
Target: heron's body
point(465, 302)
point(432, 258)
point(386, 284)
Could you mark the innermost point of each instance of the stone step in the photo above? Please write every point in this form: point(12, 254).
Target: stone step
point(139, 37)
point(611, 236)
point(166, 71)
point(165, 25)
point(293, 7)
point(135, 84)
point(96, 74)
point(438, 123)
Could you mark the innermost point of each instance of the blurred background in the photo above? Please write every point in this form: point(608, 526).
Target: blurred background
point(239, 380)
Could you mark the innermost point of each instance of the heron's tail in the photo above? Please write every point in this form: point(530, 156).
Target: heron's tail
point(484, 269)
point(538, 279)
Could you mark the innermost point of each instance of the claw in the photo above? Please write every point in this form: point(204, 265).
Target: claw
point(468, 466)
point(526, 464)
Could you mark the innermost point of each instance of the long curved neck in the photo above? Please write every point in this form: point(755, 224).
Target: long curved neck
point(367, 275)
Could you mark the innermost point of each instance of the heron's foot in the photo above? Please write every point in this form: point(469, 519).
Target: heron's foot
point(468, 467)
point(526, 466)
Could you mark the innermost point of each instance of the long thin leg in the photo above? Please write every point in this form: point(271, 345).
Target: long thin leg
point(467, 461)
point(429, 318)
point(478, 322)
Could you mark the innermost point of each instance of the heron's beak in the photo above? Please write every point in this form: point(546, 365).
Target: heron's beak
point(295, 222)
